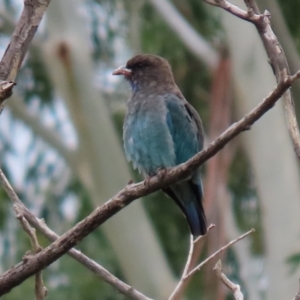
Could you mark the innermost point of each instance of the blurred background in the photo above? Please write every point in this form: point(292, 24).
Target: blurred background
point(61, 147)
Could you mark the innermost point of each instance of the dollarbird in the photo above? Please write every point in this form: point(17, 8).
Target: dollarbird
point(162, 130)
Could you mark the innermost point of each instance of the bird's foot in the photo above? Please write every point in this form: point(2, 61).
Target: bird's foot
point(147, 180)
point(162, 172)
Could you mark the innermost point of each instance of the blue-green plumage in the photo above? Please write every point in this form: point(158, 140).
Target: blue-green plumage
point(161, 130)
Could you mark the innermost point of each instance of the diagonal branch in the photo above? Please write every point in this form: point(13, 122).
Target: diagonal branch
point(183, 282)
point(39, 261)
point(279, 26)
point(280, 66)
point(195, 270)
point(188, 273)
point(235, 288)
point(22, 36)
point(275, 53)
point(40, 289)
point(77, 255)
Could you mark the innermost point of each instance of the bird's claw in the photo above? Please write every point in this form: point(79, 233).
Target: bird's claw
point(162, 172)
point(147, 180)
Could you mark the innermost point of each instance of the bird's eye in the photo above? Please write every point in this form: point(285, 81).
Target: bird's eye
point(140, 65)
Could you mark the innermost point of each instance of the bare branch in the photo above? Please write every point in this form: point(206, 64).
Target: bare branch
point(77, 255)
point(275, 54)
point(198, 268)
point(40, 289)
point(28, 229)
point(280, 27)
point(39, 261)
point(235, 288)
point(251, 4)
point(21, 38)
point(182, 284)
point(280, 67)
point(235, 10)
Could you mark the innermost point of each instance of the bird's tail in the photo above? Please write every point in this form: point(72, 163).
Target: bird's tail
point(189, 195)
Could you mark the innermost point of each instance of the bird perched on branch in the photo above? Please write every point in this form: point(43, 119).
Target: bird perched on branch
point(162, 130)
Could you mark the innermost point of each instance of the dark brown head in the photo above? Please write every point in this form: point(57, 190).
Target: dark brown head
point(147, 71)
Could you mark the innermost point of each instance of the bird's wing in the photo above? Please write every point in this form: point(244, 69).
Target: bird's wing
point(147, 139)
point(185, 127)
point(186, 130)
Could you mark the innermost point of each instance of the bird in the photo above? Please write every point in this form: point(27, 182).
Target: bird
point(162, 130)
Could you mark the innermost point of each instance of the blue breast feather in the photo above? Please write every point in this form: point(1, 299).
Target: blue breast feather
point(159, 133)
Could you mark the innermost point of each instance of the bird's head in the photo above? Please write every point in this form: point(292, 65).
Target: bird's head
point(147, 71)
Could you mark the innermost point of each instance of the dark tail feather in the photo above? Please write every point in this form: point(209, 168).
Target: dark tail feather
point(188, 196)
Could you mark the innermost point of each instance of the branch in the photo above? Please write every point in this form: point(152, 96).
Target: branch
point(39, 261)
point(279, 25)
point(275, 53)
point(22, 36)
point(40, 289)
point(198, 268)
point(182, 284)
point(280, 67)
point(187, 273)
point(235, 288)
point(77, 255)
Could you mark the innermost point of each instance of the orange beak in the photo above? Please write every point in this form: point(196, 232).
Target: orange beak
point(122, 71)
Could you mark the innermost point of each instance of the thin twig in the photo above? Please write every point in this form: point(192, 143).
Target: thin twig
point(235, 288)
point(198, 268)
point(280, 67)
point(39, 261)
point(235, 10)
point(97, 269)
point(22, 36)
point(210, 227)
point(40, 289)
point(190, 255)
point(275, 53)
point(252, 5)
point(182, 284)
point(28, 229)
